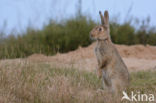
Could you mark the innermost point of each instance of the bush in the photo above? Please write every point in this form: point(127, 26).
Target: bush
point(68, 35)
point(53, 38)
point(123, 34)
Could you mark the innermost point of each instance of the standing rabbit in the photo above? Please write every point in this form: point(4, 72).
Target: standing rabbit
point(110, 64)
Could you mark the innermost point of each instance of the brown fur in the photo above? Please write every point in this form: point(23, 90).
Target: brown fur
point(110, 64)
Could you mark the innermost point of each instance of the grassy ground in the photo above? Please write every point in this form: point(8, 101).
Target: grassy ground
point(40, 83)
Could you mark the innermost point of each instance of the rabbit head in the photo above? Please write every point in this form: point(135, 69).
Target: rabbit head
point(101, 32)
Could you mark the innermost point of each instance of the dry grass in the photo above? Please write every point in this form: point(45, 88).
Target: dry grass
point(25, 82)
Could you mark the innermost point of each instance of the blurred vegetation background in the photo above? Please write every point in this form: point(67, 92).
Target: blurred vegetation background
point(69, 34)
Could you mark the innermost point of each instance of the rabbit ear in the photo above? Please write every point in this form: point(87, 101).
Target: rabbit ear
point(106, 19)
point(102, 18)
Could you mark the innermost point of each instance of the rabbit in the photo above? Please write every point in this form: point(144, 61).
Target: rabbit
point(111, 67)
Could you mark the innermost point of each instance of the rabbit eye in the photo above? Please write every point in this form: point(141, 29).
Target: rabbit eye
point(100, 29)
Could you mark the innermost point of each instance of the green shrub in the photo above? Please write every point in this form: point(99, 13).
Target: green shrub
point(68, 35)
point(53, 38)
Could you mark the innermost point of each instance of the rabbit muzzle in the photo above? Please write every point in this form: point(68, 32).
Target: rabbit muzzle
point(92, 37)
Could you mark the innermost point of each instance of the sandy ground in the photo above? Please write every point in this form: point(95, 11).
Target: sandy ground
point(136, 57)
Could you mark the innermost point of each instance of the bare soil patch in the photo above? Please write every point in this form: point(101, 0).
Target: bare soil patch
point(136, 57)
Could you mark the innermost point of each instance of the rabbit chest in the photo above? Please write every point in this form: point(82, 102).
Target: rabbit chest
point(101, 53)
